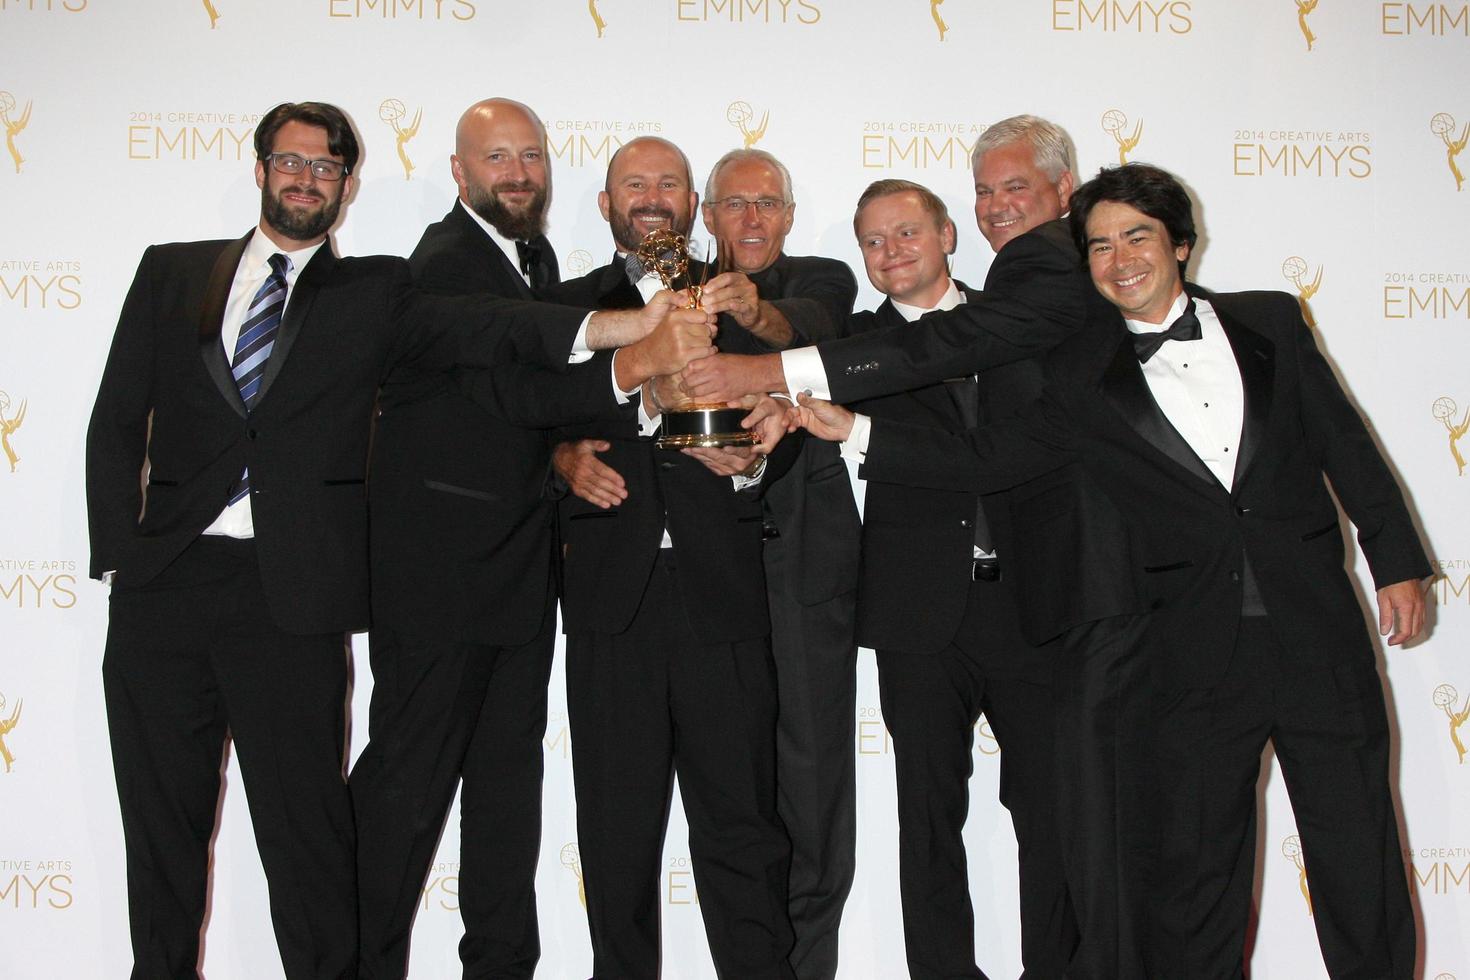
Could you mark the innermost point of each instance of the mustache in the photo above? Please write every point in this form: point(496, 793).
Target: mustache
point(513, 185)
point(303, 192)
point(651, 211)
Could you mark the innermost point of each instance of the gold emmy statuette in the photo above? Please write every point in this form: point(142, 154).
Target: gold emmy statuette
point(687, 423)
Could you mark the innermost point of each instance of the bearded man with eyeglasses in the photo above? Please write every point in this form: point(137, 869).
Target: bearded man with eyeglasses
point(245, 374)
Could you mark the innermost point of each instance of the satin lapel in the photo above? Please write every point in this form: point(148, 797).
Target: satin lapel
point(1255, 354)
point(211, 318)
point(298, 307)
point(548, 259)
point(1123, 385)
point(615, 292)
point(491, 253)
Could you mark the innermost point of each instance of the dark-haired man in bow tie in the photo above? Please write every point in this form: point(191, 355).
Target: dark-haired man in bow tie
point(1210, 421)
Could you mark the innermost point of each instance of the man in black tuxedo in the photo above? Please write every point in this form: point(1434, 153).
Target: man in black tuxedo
point(462, 576)
point(235, 579)
point(1212, 438)
point(669, 666)
point(937, 602)
point(810, 552)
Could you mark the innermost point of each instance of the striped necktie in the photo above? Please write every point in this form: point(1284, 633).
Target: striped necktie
point(253, 348)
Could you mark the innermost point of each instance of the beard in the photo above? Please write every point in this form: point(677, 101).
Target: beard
point(626, 234)
point(525, 223)
point(298, 223)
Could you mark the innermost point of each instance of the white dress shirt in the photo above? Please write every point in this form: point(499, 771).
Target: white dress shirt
point(1196, 384)
point(235, 521)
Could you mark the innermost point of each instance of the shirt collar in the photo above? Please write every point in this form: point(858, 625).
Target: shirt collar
point(1140, 326)
point(948, 301)
point(506, 245)
point(260, 248)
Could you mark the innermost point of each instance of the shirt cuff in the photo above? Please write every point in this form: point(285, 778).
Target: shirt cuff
point(804, 372)
point(855, 446)
point(742, 481)
point(647, 424)
point(580, 351)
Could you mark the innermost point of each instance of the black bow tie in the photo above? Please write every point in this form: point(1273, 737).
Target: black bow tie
point(1187, 327)
point(529, 255)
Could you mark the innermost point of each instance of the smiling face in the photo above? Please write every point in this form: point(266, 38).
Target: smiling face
point(749, 238)
point(1014, 195)
point(1133, 261)
point(647, 189)
point(297, 210)
point(500, 166)
point(905, 249)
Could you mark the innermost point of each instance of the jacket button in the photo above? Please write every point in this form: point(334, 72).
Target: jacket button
point(250, 433)
point(1242, 511)
point(1235, 576)
point(966, 522)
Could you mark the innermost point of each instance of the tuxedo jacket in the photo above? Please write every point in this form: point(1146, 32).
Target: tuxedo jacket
point(1188, 538)
point(1042, 274)
point(812, 507)
point(167, 395)
point(463, 533)
point(608, 555)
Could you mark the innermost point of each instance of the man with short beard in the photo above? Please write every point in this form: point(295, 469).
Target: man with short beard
point(237, 575)
point(463, 588)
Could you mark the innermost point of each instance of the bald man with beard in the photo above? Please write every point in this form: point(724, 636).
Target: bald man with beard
point(463, 586)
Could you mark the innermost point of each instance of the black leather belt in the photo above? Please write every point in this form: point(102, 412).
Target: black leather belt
point(985, 570)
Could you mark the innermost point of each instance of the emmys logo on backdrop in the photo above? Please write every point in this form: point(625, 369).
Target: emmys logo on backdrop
point(597, 20)
point(33, 584)
point(578, 262)
point(749, 11)
point(679, 888)
point(1439, 870)
point(741, 115)
point(1295, 270)
point(441, 890)
point(10, 423)
point(558, 737)
point(37, 885)
point(1304, 9)
point(571, 859)
point(1291, 849)
point(1426, 295)
point(1442, 124)
point(393, 112)
point(13, 122)
point(212, 11)
point(934, 6)
point(1444, 411)
point(1446, 699)
point(1114, 123)
point(191, 136)
point(7, 725)
point(1122, 16)
point(33, 284)
point(402, 9)
point(1324, 153)
point(1434, 19)
point(1450, 585)
point(44, 6)
point(592, 142)
point(918, 144)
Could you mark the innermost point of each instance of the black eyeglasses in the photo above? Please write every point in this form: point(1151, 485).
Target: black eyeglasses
point(739, 205)
point(294, 163)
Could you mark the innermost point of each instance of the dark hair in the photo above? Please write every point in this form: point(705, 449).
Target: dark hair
point(891, 186)
point(1157, 193)
point(341, 140)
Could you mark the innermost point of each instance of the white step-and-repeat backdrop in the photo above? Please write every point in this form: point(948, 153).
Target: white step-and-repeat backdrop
point(1324, 141)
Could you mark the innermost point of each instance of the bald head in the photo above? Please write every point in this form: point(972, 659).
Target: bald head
point(648, 188)
point(500, 166)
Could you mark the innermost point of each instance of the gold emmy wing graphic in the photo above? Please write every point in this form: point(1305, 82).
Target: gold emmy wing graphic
point(740, 115)
point(393, 113)
point(13, 126)
point(1113, 123)
point(596, 17)
point(1303, 8)
point(213, 13)
point(938, 20)
point(1291, 849)
point(579, 262)
point(7, 725)
point(571, 859)
point(8, 426)
point(1445, 697)
point(1444, 410)
point(1442, 124)
point(1295, 270)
